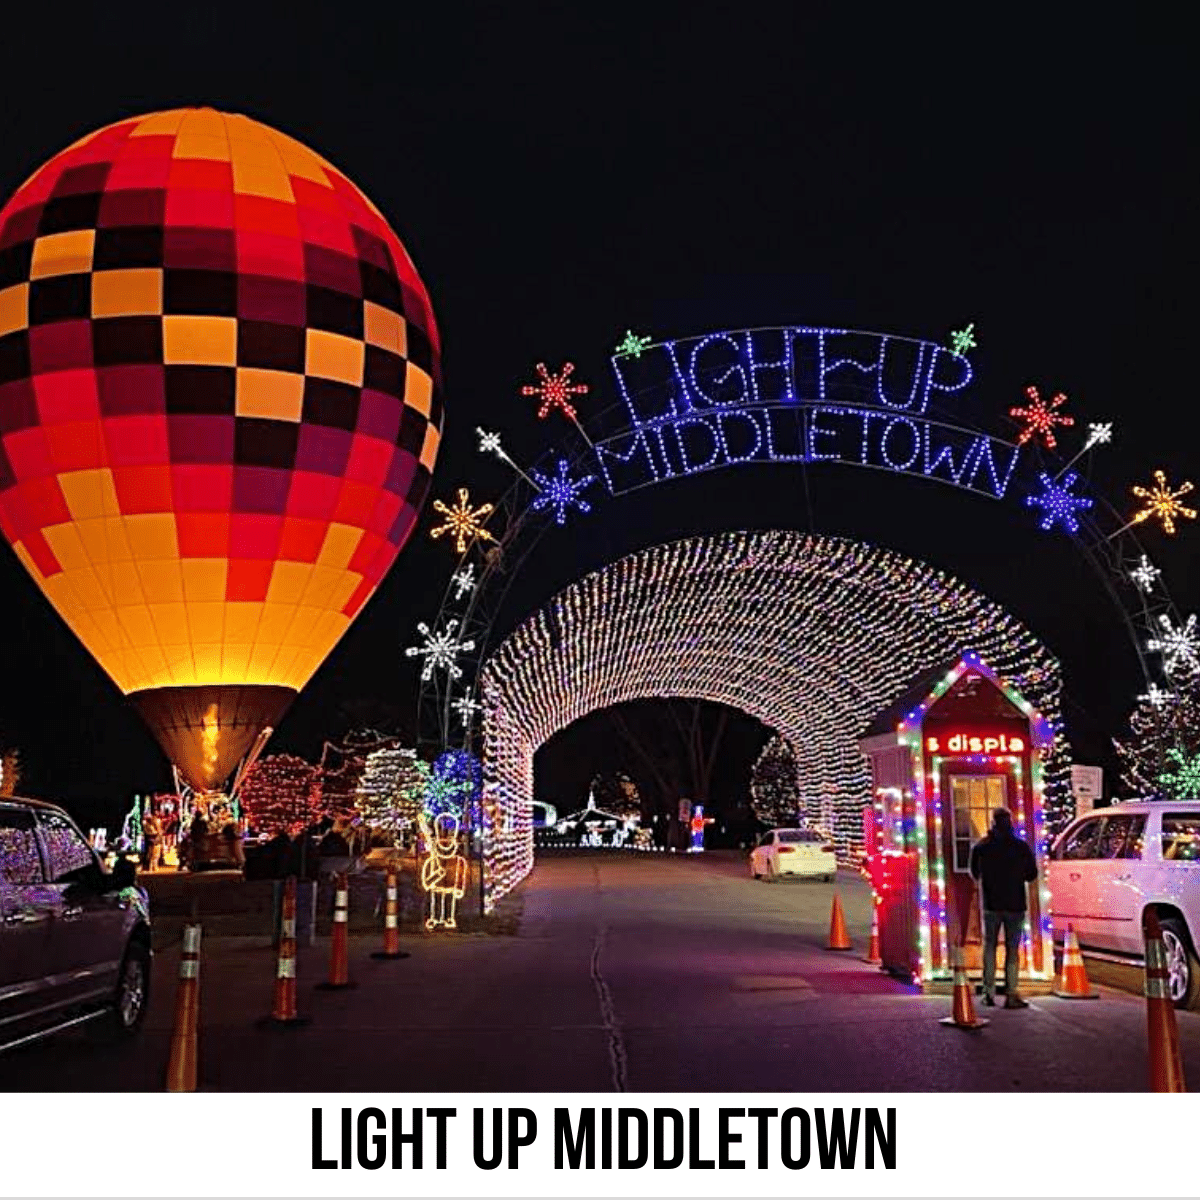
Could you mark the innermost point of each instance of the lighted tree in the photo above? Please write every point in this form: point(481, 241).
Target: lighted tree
point(617, 794)
point(280, 792)
point(775, 784)
point(391, 790)
point(1159, 757)
point(343, 764)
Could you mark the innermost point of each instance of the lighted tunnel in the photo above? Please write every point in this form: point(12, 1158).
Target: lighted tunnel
point(812, 635)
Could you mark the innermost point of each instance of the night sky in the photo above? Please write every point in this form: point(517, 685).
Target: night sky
point(562, 173)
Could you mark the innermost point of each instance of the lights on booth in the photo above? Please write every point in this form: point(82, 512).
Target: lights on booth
point(929, 754)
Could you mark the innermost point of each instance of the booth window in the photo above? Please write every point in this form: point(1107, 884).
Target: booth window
point(1181, 837)
point(972, 799)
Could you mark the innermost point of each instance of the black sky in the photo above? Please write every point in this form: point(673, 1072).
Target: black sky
point(560, 173)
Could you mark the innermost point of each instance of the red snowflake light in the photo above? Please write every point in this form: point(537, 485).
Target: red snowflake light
point(1040, 418)
point(555, 390)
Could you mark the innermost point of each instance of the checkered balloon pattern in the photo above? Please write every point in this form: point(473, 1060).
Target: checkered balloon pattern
point(219, 398)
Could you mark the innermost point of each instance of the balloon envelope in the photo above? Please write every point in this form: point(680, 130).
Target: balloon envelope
point(219, 410)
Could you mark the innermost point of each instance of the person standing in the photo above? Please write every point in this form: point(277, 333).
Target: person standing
point(1005, 865)
point(152, 842)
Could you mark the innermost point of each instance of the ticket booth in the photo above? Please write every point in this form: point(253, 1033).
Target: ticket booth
point(960, 743)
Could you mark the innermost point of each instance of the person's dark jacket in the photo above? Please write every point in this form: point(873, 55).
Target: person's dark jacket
point(1006, 864)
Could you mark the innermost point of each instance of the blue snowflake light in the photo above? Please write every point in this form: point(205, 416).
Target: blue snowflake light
point(562, 492)
point(1057, 502)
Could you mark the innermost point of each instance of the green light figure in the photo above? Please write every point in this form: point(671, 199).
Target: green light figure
point(632, 344)
point(962, 340)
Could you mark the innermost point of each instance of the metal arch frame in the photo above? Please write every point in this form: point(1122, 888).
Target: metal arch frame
point(1109, 555)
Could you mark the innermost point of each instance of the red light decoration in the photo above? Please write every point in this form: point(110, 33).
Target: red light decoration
point(1040, 418)
point(555, 391)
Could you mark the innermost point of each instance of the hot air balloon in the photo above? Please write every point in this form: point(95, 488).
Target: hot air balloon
point(219, 410)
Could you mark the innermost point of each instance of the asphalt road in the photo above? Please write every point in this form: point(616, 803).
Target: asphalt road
point(638, 972)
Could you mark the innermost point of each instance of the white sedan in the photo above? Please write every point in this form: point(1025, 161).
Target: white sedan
point(803, 852)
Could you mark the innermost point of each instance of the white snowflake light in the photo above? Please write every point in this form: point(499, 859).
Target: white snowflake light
point(1145, 574)
point(463, 580)
point(1155, 696)
point(1178, 645)
point(440, 650)
point(489, 443)
point(465, 707)
point(702, 618)
point(1099, 434)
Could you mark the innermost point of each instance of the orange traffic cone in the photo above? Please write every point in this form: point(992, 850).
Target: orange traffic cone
point(391, 923)
point(283, 1005)
point(838, 939)
point(1166, 1066)
point(963, 1013)
point(181, 1066)
point(872, 955)
point(1073, 983)
point(339, 964)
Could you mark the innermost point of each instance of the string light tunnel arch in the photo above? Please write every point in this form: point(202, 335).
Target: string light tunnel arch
point(809, 634)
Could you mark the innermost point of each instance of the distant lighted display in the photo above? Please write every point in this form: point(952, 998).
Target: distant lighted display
point(219, 410)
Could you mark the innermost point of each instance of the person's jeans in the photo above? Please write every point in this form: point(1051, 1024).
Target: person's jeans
point(1014, 925)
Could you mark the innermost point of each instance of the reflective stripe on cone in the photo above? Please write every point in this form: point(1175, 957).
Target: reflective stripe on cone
point(181, 1066)
point(1166, 1064)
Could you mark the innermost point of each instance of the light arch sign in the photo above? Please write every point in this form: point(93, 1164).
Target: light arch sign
point(798, 394)
point(812, 635)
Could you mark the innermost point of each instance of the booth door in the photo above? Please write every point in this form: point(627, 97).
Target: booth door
point(972, 799)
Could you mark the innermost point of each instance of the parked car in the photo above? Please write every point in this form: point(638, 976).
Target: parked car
point(1108, 867)
point(804, 852)
point(74, 937)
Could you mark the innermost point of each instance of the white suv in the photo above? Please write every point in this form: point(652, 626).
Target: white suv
point(1109, 866)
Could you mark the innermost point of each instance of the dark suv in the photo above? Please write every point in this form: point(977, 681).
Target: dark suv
point(74, 938)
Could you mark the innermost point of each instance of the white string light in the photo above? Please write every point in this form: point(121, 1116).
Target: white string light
point(1179, 645)
point(1145, 574)
point(463, 580)
point(812, 635)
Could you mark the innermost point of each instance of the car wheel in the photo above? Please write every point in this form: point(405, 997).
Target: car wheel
point(1183, 971)
point(132, 997)
point(828, 878)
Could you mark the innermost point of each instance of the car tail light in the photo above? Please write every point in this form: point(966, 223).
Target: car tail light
point(783, 850)
point(828, 847)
